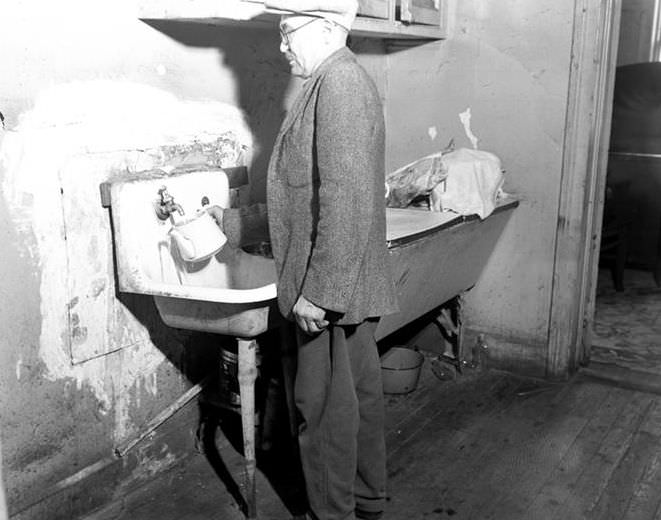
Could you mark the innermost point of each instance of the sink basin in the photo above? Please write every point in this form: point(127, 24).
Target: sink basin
point(230, 293)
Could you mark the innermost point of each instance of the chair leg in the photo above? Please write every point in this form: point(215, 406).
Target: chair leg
point(657, 263)
point(620, 261)
point(247, 376)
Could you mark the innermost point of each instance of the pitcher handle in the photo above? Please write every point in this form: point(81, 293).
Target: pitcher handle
point(185, 245)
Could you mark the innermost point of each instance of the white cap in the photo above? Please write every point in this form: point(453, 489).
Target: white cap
point(342, 12)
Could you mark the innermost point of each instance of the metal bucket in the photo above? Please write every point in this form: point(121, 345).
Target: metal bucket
point(229, 376)
point(400, 370)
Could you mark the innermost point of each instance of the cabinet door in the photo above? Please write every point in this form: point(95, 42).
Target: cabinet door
point(374, 8)
point(98, 321)
point(426, 12)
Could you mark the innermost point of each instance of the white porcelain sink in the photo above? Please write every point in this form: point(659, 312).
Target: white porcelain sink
point(231, 293)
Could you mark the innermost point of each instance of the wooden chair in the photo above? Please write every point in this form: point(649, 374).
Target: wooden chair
point(614, 231)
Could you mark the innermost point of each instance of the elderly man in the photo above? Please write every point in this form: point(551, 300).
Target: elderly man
point(326, 216)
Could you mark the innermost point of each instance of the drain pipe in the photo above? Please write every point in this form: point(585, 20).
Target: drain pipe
point(118, 452)
point(194, 391)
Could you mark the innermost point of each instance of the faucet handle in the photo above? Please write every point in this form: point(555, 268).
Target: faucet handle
point(164, 195)
point(166, 205)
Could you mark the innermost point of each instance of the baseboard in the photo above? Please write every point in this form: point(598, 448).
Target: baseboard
point(520, 357)
point(99, 484)
point(623, 377)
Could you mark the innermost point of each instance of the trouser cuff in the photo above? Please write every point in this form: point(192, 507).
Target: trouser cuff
point(368, 515)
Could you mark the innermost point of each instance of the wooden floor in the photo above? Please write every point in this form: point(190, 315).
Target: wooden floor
point(626, 344)
point(627, 324)
point(489, 446)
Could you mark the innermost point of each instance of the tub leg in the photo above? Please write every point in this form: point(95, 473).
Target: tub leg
point(247, 375)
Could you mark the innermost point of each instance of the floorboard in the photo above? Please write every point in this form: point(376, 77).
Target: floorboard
point(543, 449)
point(521, 436)
point(487, 446)
point(548, 501)
point(645, 498)
point(585, 493)
point(627, 325)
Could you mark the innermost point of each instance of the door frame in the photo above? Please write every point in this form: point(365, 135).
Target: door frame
point(583, 180)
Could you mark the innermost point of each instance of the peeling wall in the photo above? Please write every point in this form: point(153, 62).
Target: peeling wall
point(88, 93)
point(508, 62)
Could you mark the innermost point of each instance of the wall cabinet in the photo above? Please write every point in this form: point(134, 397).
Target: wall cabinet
point(374, 9)
point(425, 12)
point(392, 19)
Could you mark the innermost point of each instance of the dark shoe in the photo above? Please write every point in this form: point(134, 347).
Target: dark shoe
point(362, 515)
point(306, 516)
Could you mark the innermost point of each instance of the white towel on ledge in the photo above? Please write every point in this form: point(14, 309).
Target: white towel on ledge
point(474, 180)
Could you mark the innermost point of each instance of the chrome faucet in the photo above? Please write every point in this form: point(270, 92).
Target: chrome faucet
point(167, 206)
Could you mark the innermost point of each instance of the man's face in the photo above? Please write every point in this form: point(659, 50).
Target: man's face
point(299, 42)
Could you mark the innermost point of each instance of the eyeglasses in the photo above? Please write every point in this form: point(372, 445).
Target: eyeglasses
point(284, 35)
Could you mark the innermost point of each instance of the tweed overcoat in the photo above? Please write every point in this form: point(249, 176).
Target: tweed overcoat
point(325, 196)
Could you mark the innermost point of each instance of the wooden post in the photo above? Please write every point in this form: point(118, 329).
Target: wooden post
point(583, 181)
point(247, 376)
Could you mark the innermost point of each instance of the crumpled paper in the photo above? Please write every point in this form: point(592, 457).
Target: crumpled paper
point(473, 182)
point(474, 178)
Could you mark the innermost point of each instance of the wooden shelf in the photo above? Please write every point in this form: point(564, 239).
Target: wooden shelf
point(237, 12)
point(375, 28)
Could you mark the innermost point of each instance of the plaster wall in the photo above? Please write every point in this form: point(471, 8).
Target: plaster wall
point(88, 92)
point(509, 63)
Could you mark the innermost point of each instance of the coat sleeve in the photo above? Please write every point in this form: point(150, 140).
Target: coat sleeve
point(349, 145)
point(246, 225)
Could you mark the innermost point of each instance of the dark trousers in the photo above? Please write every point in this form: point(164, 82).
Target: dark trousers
point(339, 395)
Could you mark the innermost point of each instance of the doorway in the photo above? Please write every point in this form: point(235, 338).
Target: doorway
point(626, 330)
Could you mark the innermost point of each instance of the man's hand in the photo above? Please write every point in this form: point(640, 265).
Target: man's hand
point(216, 213)
point(310, 318)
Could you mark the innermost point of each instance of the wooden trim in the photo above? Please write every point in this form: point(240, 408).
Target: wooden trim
point(375, 28)
point(374, 8)
point(623, 377)
point(506, 353)
point(405, 13)
point(392, 15)
point(443, 17)
point(417, 14)
point(598, 172)
point(580, 204)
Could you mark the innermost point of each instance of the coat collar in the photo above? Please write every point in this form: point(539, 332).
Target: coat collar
point(341, 54)
point(308, 87)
